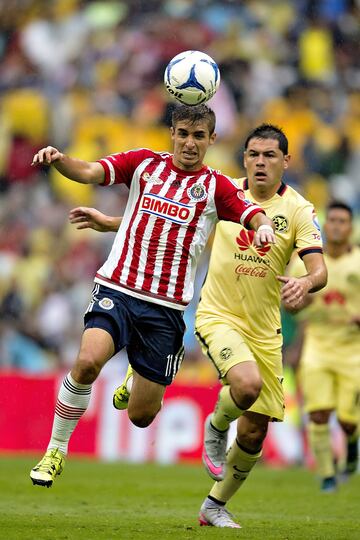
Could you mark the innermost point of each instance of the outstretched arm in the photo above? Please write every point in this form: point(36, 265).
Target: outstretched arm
point(295, 291)
point(84, 172)
point(265, 230)
point(90, 218)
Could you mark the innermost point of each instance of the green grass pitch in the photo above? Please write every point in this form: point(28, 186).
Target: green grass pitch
point(96, 501)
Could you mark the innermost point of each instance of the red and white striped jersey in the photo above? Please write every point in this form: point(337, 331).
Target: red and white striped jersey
point(167, 221)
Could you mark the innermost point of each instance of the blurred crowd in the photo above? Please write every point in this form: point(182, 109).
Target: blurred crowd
point(86, 77)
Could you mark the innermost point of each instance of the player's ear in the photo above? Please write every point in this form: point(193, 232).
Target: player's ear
point(172, 132)
point(286, 160)
point(212, 138)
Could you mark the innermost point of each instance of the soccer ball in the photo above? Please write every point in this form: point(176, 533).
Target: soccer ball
point(192, 77)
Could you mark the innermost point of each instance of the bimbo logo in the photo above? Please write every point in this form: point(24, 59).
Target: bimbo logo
point(166, 208)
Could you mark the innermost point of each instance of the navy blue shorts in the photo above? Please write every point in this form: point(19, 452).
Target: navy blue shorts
point(152, 334)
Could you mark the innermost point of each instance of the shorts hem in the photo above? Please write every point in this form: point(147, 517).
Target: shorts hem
point(149, 377)
point(274, 417)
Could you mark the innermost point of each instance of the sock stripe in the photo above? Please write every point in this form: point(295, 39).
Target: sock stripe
point(70, 413)
point(75, 389)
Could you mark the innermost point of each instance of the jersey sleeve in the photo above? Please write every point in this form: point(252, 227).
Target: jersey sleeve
point(308, 233)
point(119, 168)
point(231, 204)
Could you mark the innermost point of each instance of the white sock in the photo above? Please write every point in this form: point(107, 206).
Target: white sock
point(72, 402)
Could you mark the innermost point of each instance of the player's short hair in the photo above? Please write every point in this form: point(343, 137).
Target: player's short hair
point(194, 113)
point(341, 205)
point(269, 131)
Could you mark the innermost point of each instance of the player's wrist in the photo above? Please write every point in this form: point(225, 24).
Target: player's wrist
point(265, 227)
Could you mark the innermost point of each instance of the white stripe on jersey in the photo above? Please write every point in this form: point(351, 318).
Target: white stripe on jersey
point(246, 213)
point(111, 170)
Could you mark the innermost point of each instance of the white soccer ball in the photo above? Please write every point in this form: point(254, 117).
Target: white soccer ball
point(192, 77)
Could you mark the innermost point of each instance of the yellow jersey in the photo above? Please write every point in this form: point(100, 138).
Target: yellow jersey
point(329, 330)
point(241, 282)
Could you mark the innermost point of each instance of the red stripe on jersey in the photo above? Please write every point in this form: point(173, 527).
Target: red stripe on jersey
point(189, 236)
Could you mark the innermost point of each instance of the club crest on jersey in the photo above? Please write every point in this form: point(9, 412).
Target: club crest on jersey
point(197, 193)
point(106, 303)
point(166, 208)
point(226, 353)
point(147, 177)
point(281, 223)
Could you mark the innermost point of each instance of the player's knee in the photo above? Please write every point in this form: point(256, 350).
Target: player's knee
point(246, 392)
point(253, 438)
point(85, 369)
point(141, 420)
point(319, 417)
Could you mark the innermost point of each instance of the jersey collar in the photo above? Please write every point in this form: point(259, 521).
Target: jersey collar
point(280, 191)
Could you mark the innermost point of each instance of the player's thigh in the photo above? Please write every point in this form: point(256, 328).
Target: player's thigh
point(318, 387)
point(146, 396)
point(96, 348)
point(223, 345)
point(156, 347)
point(348, 395)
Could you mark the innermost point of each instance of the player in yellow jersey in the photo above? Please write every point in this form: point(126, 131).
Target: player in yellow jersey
point(238, 319)
point(330, 358)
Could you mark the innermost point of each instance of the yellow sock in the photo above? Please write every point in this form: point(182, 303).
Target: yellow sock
point(226, 410)
point(320, 444)
point(238, 466)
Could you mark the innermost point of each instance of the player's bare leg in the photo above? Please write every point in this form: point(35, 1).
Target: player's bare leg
point(241, 391)
point(96, 349)
point(241, 458)
point(145, 400)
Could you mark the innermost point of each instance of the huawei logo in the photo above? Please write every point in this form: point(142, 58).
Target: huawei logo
point(332, 297)
point(246, 239)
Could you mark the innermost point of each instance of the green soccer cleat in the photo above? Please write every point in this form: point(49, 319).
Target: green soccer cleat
point(122, 393)
point(45, 472)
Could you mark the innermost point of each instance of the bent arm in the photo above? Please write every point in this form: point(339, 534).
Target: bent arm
point(84, 172)
point(90, 218)
point(295, 291)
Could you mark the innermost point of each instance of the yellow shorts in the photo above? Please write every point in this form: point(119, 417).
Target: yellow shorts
point(330, 385)
point(225, 345)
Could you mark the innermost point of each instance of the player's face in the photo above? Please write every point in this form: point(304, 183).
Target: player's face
point(265, 163)
point(191, 142)
point(338, 226)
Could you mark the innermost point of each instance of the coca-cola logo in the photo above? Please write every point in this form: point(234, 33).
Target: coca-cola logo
point(256, 271)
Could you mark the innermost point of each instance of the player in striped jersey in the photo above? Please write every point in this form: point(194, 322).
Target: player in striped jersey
point(330, 358)
point(147, 280)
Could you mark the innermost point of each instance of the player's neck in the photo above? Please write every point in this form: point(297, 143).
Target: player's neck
point(263, 193)
point(337, 250)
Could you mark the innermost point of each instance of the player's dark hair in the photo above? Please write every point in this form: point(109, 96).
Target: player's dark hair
point(341, 205)
point(269, 131)
point(193, 114)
